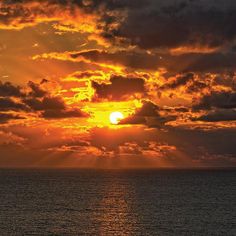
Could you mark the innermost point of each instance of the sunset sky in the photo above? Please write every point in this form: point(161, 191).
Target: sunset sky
point(167, 66)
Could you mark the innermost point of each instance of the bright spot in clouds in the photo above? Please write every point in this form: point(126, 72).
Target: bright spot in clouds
point(115, 117)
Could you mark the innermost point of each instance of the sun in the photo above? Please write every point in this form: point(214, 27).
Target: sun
point(115, 117)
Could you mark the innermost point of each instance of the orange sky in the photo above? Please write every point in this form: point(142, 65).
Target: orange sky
point(66, 66)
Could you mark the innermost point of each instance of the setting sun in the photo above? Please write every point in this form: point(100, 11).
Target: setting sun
point(110, 109)
point(115, 117)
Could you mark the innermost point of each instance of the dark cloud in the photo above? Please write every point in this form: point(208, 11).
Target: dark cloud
point(176, 109)
point(185, 62)
point(7, 89)
point(36, 90)
point(214, 62)
point(120, 88)
point(46, 103)
point(225, 100)
point(148, 114)
point(148, 109)
point(198, 143)
point(178, 81)
point(7, 104)
point(53, 107)
point(197, 86)
point(19, 14)
point(37, 100)
point(5, 117)
point(195, 147)
point(60, 114)
point(181, 109)
point(180, 23)
point(134, 60)
point(226, 80)
point(148, 24)
point(192, 40)
point(87, 74)
point(211, 62)
point(218, 115)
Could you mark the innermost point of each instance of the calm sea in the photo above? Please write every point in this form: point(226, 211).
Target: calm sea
point(128, 202)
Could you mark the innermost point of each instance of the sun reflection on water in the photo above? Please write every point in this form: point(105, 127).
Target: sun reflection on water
point(115, 210)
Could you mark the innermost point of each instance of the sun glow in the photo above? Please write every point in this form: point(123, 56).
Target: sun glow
point(115, 117)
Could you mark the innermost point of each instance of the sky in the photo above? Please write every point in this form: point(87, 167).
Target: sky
point(167, 66)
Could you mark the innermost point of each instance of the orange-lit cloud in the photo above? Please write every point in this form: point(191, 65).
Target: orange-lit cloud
point(20, 15)
point(65, 66)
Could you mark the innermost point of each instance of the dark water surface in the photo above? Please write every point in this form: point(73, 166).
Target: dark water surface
point(130, 202)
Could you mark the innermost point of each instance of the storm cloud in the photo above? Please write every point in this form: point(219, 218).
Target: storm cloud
point(225, 100)
point(120, 88)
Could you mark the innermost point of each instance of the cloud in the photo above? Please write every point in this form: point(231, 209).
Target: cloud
point(210, 62)
point(185, 62)
point(36, 90)
point(46, 103)
point(169, 24)
point(130, 59)
point(7, 138)
point(148, 114)
point(174, 47)
point(178, 81)
point(85, 75)
point(53, 107)
point(179, 146)
point(60, 114)
point(119, 88)
point(172, 24)
point(7, 104)
point(7, 89)
point(198, 62)
point(36, 100)
point(20, 14)
point(219, 115)
point(124, 146)
point(110, 140)
point(225, 100)
point(146, 149)
point(5, 117)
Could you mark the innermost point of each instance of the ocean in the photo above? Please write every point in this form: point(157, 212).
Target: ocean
point(117, 202)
